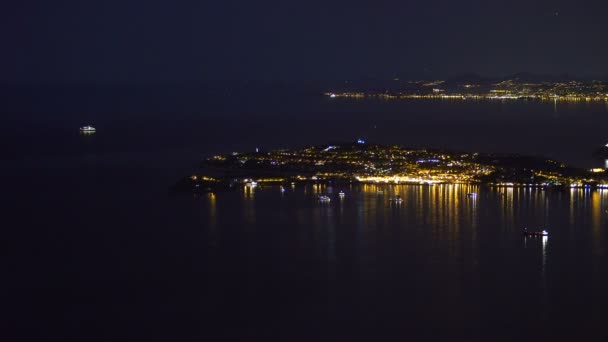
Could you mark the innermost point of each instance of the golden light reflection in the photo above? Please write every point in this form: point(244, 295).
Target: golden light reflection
point(572, 209)
point(212, 224)
point(318, 189)
point(248, 192)
point(212, 210)
point(507, 206)
point(473, 203)
point(456, 208)
point(419, 205)
point(596, 219)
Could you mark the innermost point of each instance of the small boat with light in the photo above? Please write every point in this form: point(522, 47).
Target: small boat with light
point(324, 199)
point(396, 199)
point(87, 129)
point(341, 194)
point(472, 194)
point(526, 232)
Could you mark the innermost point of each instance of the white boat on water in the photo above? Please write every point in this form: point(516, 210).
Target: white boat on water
point(87, 129)
point(341, 194)
point(397, 199)
point(535, 233)
point(324, 199)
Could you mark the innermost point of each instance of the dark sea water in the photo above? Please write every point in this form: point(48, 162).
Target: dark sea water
point(98, 249)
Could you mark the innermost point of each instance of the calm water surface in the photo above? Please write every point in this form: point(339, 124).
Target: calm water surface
point(100, 250)
point(102, 263)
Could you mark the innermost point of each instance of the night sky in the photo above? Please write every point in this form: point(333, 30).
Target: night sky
point(157, 40)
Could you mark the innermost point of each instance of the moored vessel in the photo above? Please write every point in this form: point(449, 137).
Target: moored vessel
point(87, 129)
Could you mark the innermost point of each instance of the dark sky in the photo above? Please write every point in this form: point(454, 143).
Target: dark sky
point(158, 40)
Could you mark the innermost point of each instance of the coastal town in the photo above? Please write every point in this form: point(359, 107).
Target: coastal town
point(472, 87)
point(372, 163)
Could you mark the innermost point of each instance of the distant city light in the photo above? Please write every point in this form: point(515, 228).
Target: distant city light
point(513, 89)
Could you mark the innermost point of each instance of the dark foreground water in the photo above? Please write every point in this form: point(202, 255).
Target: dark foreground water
point(98, 262)
point(98, 249)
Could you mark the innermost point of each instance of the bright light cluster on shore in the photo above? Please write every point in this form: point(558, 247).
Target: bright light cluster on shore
point(397, 180)
point(490, 96)
point(378, 164)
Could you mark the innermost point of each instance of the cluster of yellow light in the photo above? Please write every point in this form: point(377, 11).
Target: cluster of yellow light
point(392, 165)
point(270, 180)
point(397, 180)
point(505, 95)
point(203, 178)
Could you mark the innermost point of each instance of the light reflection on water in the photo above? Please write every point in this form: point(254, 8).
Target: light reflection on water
point(440, 207)
point(436, 252)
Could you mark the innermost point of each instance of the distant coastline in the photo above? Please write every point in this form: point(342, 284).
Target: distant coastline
point(472, 87)
point(465, 96)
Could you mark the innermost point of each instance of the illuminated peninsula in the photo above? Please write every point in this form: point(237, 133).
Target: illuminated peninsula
point(372, 163)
